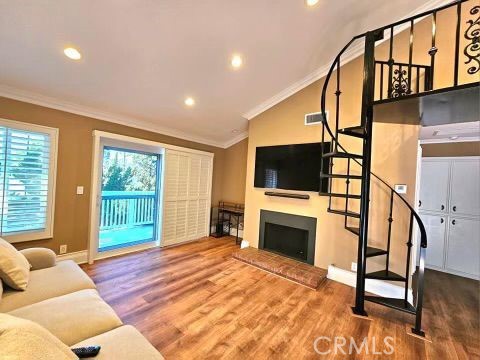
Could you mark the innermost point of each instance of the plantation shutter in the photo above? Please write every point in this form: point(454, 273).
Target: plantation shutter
point(24, 181)
point(187, 179)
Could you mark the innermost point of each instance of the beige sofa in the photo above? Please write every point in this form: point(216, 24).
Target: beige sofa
point(63, 299)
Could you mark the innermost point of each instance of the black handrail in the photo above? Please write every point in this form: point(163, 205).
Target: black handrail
point(423, 234)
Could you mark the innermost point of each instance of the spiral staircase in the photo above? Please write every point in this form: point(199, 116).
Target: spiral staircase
point(389, 82)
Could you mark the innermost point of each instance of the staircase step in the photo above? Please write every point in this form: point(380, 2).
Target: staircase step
point(393, 303)
point(350, 196)
point(353, 229)
point(340, 176)
point(384, 275)
point(356, 131)
point(343, 212)
point(340, 154)
point(372, 251)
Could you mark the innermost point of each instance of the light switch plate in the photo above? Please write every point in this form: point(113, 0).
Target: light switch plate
point(401, 188)
point(79, 190)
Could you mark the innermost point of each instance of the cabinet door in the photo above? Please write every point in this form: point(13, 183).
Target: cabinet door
point(434, 185)
point(465, 187)
point(435, 226)
point(464, 246)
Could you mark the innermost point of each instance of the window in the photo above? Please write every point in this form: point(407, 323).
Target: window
point(27, 180)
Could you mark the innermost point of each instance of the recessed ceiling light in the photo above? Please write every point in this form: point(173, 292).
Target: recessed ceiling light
point(311, 2)
point(234, 131)
point(237, 61)
point(72, 53)
point(189, 101)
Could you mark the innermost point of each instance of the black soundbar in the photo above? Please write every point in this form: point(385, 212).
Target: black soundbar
point(288, 195)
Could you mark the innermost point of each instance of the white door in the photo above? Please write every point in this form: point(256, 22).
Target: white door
point(435, 226)
point(464, 246)
point(434, 185)
point(465, 187)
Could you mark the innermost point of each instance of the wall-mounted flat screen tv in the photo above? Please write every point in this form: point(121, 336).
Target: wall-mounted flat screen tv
point(291, 167)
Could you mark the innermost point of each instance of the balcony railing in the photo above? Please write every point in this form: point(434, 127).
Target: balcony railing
point(127, 209)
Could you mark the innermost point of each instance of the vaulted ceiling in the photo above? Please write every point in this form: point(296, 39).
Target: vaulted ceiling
point(141, 59)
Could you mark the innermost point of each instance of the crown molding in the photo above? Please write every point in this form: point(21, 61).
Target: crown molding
point(348, 56)
point(243, 135)
point(57, 104)
point(446, 140)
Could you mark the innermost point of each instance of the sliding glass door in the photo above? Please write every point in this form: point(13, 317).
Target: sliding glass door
point(130, 198)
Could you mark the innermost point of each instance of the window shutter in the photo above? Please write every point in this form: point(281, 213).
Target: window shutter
point(24, 180)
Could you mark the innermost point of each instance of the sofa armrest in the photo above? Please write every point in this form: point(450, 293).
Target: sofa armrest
point(40, 258)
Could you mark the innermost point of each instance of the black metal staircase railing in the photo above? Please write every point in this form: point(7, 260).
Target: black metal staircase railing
point(404, 79)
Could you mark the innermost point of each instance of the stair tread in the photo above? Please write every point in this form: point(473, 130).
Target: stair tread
point(373, 251)
point(394, 303)
point(384, 275)
point(357, 131)
point(351, 196)
point(343, 212)
point(353, 229)
point(340, 154)
point(340, 176)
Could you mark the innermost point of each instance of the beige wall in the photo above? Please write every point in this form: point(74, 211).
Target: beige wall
point(470, 148)
point(234, 172)
point(394, 151)
point(74, 166)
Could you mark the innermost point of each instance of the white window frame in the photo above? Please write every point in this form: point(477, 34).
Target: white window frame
point(52, 179)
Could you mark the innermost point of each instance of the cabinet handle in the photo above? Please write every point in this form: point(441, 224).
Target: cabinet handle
point(443, 207)
point(419, 203)
point(453, 222)
point(441, 221)
point(454, 208)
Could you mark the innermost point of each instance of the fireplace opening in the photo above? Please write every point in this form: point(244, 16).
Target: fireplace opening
point(288, 235)
point(286, 240)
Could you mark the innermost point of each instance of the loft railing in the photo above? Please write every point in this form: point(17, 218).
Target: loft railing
point(127, 209)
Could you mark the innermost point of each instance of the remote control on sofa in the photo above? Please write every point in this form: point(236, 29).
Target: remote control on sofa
point(86, 351)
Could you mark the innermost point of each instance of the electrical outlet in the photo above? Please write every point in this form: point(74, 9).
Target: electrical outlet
point(354, 266)
point(79, 190)
point(63, 249)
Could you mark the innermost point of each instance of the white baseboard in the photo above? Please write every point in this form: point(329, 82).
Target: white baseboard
point(377, 287)
point(80, 257)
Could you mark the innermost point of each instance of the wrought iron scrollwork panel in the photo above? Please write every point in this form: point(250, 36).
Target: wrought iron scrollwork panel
point(472, 50)
point(400, 83)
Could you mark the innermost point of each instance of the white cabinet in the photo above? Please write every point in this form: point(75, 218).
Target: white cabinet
point(450, 211)
point(435, 225)
point(434, 185)
point(463, 251)
point(465, 187)
point(187, 189)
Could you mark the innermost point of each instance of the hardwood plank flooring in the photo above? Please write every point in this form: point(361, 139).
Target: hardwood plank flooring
point(196, 302)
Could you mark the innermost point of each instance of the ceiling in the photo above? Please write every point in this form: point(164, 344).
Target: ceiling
point(142, 58)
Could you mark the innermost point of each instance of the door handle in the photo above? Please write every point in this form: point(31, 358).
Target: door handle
point(441, 221)
point(453, 222)
point(419, 203)
point(443, 207)
point(454, 208)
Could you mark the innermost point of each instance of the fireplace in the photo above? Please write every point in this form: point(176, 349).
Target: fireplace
point(289, 235)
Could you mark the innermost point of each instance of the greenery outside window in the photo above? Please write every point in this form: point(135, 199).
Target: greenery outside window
point(27, 180)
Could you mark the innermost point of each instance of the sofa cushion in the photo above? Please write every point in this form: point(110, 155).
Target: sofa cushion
point(64, 278)
point(123, 343)
point(14, 267)
point(24, 340)
point(72, 317)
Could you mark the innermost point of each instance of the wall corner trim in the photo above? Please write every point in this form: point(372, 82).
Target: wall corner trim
point(377, 287)
point(80, 257)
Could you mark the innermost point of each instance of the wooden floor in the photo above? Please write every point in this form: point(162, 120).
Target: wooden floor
point(196, 302)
